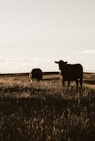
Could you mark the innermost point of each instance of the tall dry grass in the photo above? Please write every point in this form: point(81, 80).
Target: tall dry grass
point(45, 111)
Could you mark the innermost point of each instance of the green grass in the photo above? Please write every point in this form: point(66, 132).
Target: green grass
point(45, 111)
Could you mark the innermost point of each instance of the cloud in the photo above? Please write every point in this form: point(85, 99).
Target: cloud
point(25, 65)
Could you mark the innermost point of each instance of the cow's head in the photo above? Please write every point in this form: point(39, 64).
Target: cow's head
point(61, 64)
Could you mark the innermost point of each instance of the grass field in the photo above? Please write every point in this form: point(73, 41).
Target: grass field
point(45, 111)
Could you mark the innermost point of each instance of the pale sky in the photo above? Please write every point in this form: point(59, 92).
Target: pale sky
point(35, 33)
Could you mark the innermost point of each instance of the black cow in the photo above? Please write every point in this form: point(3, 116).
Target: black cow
point(70, 72)
point(36, 73)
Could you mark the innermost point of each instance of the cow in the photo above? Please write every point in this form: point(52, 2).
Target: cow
point(70, 72)
point(35, 74)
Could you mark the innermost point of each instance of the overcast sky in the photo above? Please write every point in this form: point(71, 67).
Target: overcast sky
point(35, 33)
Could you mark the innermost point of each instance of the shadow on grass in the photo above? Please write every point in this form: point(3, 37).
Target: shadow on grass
point(89, 81)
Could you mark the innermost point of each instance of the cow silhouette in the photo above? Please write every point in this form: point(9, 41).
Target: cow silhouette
point(70, 72)
point(35, 74)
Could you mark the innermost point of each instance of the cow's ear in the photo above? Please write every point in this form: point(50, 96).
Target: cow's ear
point(66, 62)
point(56, 62)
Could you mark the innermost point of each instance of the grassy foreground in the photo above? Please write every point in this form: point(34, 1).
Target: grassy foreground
point(45, 111)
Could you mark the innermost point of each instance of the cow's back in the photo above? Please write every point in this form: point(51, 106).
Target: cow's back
point(36, 73)
point(78, 71)
point(72, 71)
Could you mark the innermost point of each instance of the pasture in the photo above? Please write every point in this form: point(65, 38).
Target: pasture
point(45, 111)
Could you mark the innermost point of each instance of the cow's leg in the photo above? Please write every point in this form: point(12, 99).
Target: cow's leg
point(81, 82)
point(68, 83)
point(63, 82)
point(76, 83)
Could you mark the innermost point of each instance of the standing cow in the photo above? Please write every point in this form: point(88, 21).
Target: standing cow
point(36, 73)
point(70, 72)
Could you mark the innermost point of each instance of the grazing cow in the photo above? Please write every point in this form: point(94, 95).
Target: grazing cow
point(70, 72)
point(36, 73)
